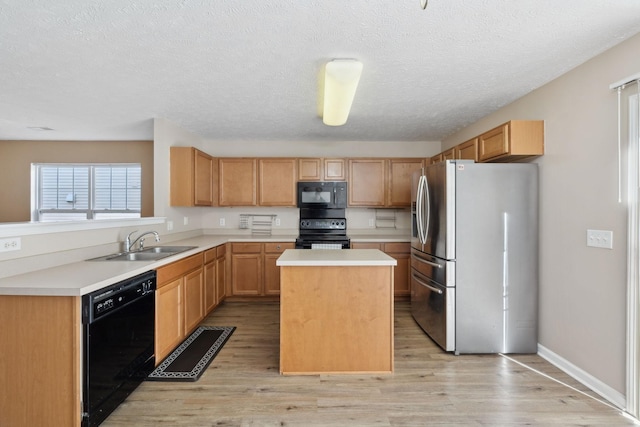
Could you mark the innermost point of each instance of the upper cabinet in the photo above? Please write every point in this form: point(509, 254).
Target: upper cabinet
point(277, 182)
point(514, 140)
point(399, 181)
point(257, 182)
point(467, 150)
point(193, 177)
point(380, 182)
point(367, 178)
point(238, 179)
point(319, 169)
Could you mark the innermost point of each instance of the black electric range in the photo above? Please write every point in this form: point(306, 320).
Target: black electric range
point(323, 229)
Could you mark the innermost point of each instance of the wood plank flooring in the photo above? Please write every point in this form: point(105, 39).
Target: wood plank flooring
point(242, 387)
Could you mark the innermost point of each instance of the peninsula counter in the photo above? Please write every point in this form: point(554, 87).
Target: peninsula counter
point(336, 311)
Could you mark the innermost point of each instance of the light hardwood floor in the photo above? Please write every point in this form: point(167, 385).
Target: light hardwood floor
point(242, 387)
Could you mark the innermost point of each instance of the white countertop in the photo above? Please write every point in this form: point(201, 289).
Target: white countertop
point(334, 257)
point(83, 277)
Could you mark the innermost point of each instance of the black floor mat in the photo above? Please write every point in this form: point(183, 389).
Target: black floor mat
point(191, 358)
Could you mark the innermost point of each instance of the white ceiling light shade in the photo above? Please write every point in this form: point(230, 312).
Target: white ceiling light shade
point(341, 79)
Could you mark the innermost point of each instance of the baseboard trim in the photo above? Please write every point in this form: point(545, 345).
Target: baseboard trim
point(613, 396)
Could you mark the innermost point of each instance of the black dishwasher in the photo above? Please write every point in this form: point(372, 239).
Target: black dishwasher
point(118, 348)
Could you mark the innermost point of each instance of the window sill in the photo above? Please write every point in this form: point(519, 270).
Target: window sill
point(31, 228)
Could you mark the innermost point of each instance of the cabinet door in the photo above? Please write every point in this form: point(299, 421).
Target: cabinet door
point(334, 170)
point(400, 173)
point(193, 300)
point(467, 150)
point(493, 143)
point(310, 169)
point(246, 274)
point(277, 182)
point(450, 154)
point(402, 253)
point(362, 245)
point(210, 292)
point(169, 318)
point(367, 179)
point(271, 270)
point(237, 179)
point(203, 179)
point(221, 275)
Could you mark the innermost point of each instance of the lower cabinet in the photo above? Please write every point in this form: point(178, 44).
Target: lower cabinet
point(214, 277)
point(401, 252)
point(179, 302)
point(253, 268)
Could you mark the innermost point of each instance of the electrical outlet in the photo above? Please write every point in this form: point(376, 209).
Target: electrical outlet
point(10, 244)
point(185, 220)
point(169, 225)
point(222, 222)
point(600, 239)
point(277, 222)
point(372, 222)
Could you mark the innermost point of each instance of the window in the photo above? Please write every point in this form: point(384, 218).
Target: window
point(85, 191)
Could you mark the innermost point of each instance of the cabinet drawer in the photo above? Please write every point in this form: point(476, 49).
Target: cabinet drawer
point(277, 247)
point(178, 268)
point(246, 248)
point(397, 247)
point(209, 255)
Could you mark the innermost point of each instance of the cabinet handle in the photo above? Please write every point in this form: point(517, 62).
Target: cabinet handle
point(278, 247)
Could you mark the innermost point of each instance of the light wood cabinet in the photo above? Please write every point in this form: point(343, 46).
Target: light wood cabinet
point(367, 179)
point(179, 302)
point(40, 361)
point(310, 169)
point(277, 182)
point(246, 269)
point(238, 180)
point(169, 318)
point(221, 273)
point(512, 141)
point(321, 169)
point(272, 252)
point(334, 170)
point(193, 178)
point(401, 252)
point(210, 277)
point(381, 182)
point(448, 155)
point(399, 181)
point(467, 150)
point(253, 268)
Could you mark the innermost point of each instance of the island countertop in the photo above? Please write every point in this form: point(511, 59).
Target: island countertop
point(334, 257)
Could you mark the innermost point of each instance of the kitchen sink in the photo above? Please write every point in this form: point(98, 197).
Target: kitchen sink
point(148, 254)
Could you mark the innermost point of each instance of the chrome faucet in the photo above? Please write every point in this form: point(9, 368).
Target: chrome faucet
point(128, 244)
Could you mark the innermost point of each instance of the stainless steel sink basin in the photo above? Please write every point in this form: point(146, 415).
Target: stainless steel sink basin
point(167, 249)
point(149, 254)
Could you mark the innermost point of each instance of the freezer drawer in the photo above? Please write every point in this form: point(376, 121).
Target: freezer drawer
point(433, 308)
point(436, 269)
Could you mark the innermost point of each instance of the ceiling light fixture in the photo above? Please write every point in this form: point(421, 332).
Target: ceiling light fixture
point(341, 79)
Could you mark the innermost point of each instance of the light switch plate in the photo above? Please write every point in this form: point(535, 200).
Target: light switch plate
point(600, 239)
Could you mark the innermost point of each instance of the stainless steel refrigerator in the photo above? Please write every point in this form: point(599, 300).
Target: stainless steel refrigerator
point(474, 255)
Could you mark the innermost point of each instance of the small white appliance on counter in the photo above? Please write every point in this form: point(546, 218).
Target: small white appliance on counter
point(474, 256)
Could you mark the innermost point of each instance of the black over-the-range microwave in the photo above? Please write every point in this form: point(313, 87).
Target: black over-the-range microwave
point(322, 195)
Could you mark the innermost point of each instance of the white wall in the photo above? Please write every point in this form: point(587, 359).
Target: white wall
point(582, 289)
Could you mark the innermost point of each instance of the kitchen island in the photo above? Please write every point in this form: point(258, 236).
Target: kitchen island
point(336, 311)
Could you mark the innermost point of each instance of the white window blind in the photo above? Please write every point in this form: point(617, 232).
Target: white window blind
point(86, 191)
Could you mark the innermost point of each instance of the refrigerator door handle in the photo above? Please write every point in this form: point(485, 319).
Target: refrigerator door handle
point(419, 210)
point(428, 204)
point(420, 281)
point(424, 261)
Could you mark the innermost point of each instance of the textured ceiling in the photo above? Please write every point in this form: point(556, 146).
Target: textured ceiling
point(238, 70)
